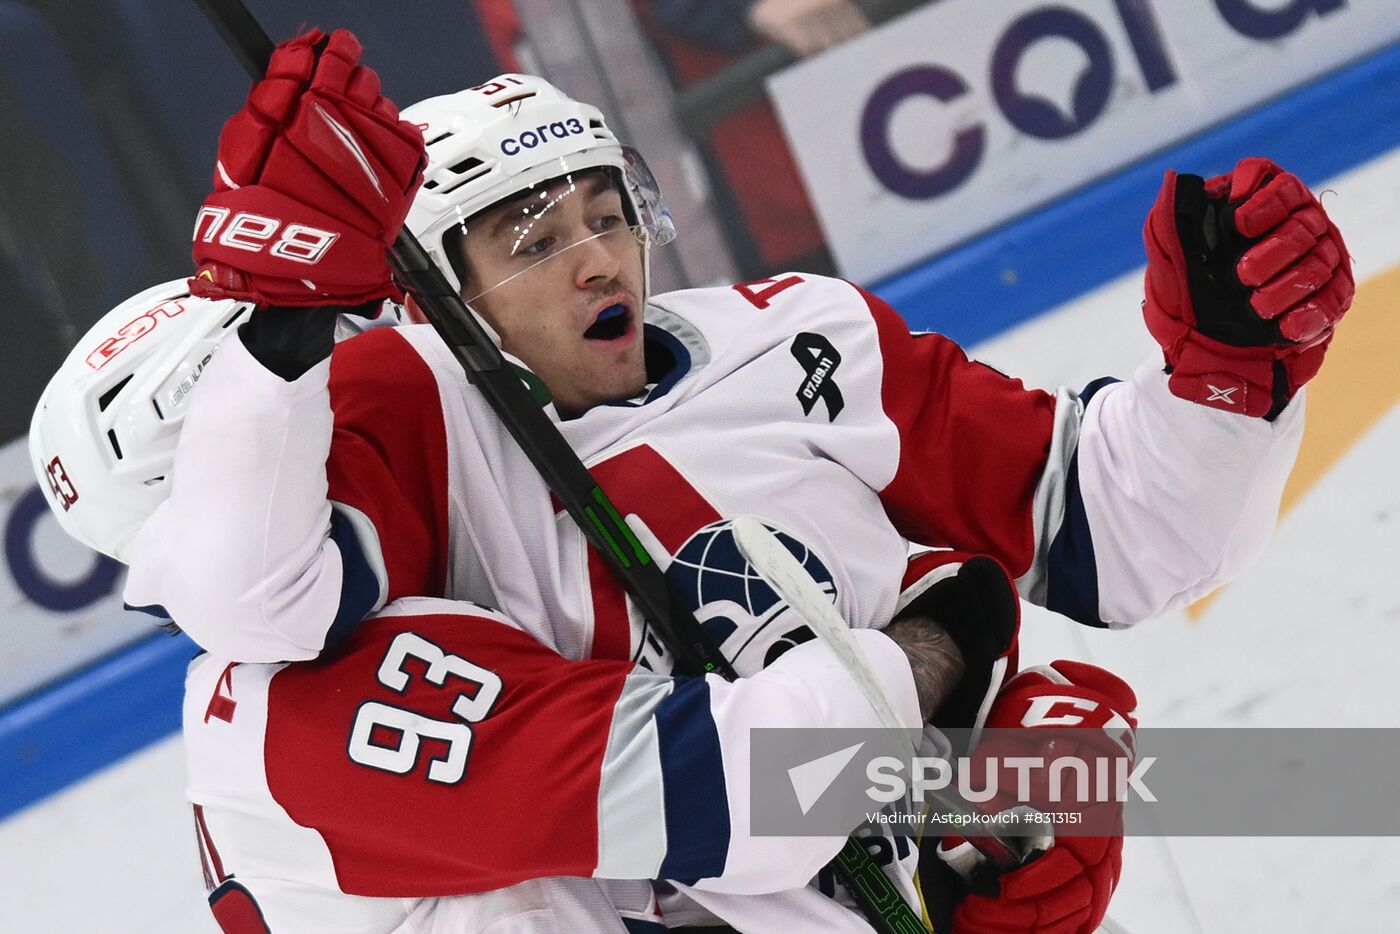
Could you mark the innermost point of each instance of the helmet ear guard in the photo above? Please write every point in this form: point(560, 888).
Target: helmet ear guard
point(103, 436)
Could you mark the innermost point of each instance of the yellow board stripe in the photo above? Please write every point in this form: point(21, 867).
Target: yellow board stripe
point(1358, 384)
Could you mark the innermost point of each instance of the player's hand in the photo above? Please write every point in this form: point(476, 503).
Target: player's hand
point(315, 175)
point(1246, 278)
point(1066, 888)
point(805, 27)
point(960, 666)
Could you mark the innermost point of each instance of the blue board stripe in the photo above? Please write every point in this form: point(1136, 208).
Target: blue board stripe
point(65, 732)
point(1060, 251)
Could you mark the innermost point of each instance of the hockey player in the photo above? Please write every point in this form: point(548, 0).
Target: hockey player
point(311, 493)
point(328, 795)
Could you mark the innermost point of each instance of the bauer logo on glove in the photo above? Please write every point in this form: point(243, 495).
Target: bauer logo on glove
point(315, 175)
point(298, 243)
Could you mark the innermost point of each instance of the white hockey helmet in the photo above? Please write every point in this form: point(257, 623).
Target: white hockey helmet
point(103, 435)
point(510, 135)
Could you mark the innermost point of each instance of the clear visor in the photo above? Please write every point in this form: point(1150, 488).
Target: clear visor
point(603, 207)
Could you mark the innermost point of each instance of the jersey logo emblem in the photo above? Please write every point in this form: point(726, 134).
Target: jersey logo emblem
point(819, 361)
point(747, 619)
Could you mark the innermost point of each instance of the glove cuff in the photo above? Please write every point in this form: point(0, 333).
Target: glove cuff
point(975, 601)
point(1254, 381)
point(289, 341)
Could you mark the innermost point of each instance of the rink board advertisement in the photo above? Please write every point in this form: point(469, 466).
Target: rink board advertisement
point(62, 601)
point(963, 114)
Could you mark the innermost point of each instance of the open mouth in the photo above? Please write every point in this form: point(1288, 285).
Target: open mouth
point(612, 322)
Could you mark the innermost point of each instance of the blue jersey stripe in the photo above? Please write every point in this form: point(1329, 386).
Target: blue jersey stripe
point(1094, 387)
point(692, 773)
point(1071, 574)
point(360, 585)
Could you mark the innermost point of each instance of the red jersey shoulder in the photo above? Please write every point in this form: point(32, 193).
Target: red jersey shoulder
point(380, 360)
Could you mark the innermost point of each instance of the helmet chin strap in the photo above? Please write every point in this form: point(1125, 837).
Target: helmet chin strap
point(645, 239)
point(485, 325)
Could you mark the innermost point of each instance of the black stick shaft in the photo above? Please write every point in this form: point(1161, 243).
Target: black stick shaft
point(242, 33)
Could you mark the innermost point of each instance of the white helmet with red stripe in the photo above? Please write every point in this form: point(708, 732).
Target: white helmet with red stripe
point(102, 440)
point(510, 135)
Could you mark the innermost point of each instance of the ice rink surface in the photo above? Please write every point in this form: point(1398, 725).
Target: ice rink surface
point(1309, 637)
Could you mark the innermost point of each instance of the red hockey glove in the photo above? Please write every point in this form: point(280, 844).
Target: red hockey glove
point(1246, 278)
point(1065, 889)
point(315, 176)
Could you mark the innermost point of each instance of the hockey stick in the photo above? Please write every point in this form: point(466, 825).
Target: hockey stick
point(565, 474)
point(762, 549)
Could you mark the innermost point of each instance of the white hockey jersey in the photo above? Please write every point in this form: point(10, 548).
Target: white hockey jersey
point(298, 509)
